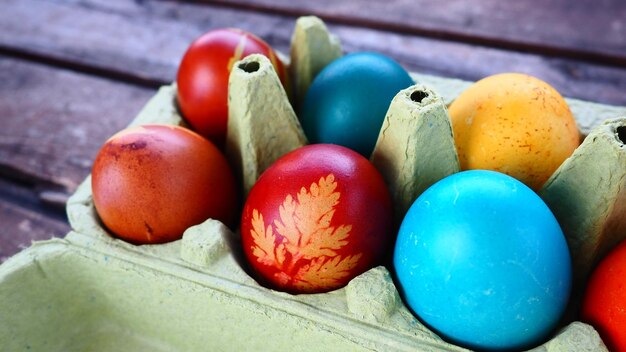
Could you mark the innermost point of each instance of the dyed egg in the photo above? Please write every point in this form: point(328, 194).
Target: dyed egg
point(347, 101)
point(604, 304)
point(152, 182)
point(515, 124)
point(481, 260)
point(315, 219)
point(202, 78)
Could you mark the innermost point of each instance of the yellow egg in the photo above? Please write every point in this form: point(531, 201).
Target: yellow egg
point(515, 124)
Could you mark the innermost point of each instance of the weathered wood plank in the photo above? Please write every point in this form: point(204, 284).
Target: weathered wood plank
point(24, 219)
point(22, 226)
point(54, 121)
point(146, 39)
point(547, 27)
point(571, 78)
point(98, 33)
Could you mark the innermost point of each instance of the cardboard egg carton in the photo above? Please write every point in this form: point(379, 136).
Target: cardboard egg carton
point(91, 291)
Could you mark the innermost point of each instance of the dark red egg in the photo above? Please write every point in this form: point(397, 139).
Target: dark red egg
point(315, 219)
point(203, 74)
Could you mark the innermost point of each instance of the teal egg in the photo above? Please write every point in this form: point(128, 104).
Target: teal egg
point(347, 101)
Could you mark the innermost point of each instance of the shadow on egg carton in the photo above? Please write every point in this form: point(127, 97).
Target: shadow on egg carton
point(92, 291)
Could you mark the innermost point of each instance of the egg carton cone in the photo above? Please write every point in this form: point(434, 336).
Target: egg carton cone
point(587, 194)
point(409, 161)
point(91, 291)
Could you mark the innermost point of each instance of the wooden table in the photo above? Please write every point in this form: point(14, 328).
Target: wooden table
point(74, 72)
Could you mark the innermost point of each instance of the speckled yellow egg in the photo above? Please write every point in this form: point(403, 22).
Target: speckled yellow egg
point(515, 124)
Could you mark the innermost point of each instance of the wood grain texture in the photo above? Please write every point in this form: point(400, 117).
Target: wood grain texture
point(22, 226)
point(144, 39)
point(575, 79)
point(23, 219)
point(592, 30)
point(54, 121)
point(147, 39)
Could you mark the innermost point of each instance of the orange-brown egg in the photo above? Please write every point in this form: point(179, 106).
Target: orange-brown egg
point(152, 182)
point(515, 124)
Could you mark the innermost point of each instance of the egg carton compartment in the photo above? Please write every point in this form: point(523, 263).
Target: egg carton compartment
point(91, 291)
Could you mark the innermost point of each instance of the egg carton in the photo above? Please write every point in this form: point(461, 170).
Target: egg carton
point(91, 291)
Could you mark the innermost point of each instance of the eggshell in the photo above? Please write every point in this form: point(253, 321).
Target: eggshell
point(515, 124)
point(481, 260)
point(152, 182)
point(203, 74)
point(316, 218)
point(347, 101)
point(604, 305)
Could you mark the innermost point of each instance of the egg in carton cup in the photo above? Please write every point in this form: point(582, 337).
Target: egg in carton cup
point(91, 291)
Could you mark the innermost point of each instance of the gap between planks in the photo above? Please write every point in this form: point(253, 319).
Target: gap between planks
point(86, 68)
point(580, 54)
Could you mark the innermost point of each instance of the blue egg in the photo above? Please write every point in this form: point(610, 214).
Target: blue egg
point(347, 101)
point(482, 260)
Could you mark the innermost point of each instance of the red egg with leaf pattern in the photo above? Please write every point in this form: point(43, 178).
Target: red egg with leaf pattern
point(315, 219)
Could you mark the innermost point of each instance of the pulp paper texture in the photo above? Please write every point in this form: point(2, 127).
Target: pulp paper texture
point(258, 132)
point(312, 48)
point(415, 147)
point(587, 194)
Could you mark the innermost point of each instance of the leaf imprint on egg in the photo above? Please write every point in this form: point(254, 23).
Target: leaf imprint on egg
point(306, 256)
